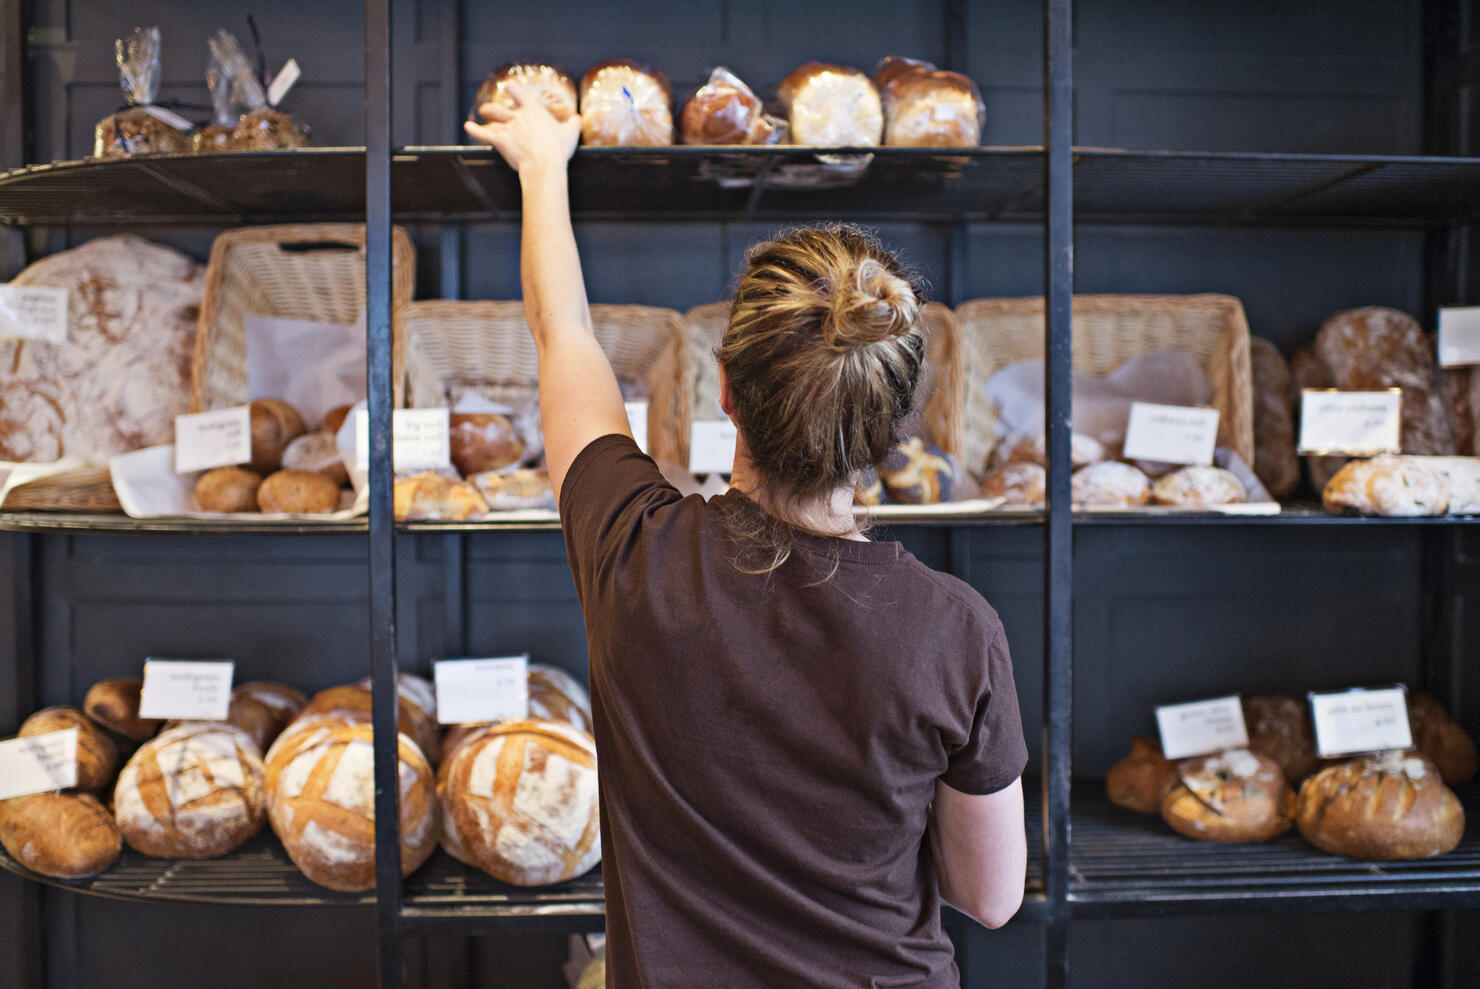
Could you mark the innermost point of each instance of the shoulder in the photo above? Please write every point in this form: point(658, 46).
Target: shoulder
point(957, 600)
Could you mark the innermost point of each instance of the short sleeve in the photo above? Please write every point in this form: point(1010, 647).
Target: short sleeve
point(995, 753)
point(609, 487)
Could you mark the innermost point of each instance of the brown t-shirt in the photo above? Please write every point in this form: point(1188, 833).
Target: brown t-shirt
point(769, 743)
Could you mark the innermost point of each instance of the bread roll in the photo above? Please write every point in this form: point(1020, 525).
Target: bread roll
point(1280, 728)
point(1380, 809)
point(97, 756)
point(1275, 462)
point(1137, 781)
point(625, 104)
point(300, 492)
point(65, 835)
point(1198, 487)
point(114, 704)
point(1388, 485)
point(832, 106)
point(317, 452)
point(417, 698)
point(1441, 740)
point(555, 695)
point(1236, 795)
point(191, 792)
point(228, 489)
point(433, 496)
point(915, 473)
point(522, 797)
point(481, 441)
point(514, 489)
point(925, 107)
point(725, 111)
point(1109, 484)
point(275, 424)
point(321, 802)
point(1083, 451)
point(247, 714)
point(551, 86)
point(1019, 483)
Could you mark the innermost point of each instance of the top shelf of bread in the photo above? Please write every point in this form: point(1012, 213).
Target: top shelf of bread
point(776, 182)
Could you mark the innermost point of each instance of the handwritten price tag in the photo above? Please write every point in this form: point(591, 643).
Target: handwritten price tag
point(476, 690)
point(712, 447)
point(1360, 423)
point(421, 439)
point(38, 763)
point(189, 689)
point(33, 312)
point(218, 438)
point(1200, 727)
point(1361, 721)
point(1171, 434)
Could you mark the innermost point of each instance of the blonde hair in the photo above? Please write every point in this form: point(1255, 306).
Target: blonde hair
point(822, 352)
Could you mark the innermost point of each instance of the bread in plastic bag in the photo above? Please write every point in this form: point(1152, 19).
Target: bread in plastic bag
point(216, 135)
point(261, 127)
point(832, 106)
point(139, 129)
point(625, 104)
point(926, 107)
point(554, 88)
point(726, 111)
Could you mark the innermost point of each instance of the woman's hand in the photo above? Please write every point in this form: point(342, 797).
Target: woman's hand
point(529, 137)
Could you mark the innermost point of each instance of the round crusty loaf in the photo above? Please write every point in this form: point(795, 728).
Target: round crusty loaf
point(1083, 451)
point(191, 792)
point(275, 424)
point(282, 700)
point(228, 489)
point(317, 452)
point(1280, 727)
point(1019, 483)
point(1236, 795)
point(66, 835)
point(417, 698)
point(1110, 484)
point(430, 495)
point(1137, 781)
point(523, 798)
point(1441, 740)
point(97, 756)
point(352, 704)
point(250, 715)
point(1388, 485)
point(298, 491)
point(1198, 486)
point(555, 695)
point(321, 802)
point(114, 704)
point(1380, 808)
point(480, 441)
point(449, 840)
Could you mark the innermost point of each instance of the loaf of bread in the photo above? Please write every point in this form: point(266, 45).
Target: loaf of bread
point(65, 835)
point(482, 441)
point(434, 496)
point(114, 704)
point(417, 700)
point(275, 424)
point(97, 756)
point(282, 700)
point(1280, 727)
point(1109, 484)
point(1463, 475)
point(1236, 795)
point(1308, 371)
point(868, 490)
point(449, 840)
point(624, 104)
point(321, 802)
point(1380, 808)
point(523, 799)
point(1083, 451)
point(915, 473)
point(926, 107)
point(453, 737)
point(832, 106)
point(191, 792)
point(1138, 781)
point(228, 489)
point(555, 695)
point(523, 487)
point(317, 452)
point(267, 128)
point(1019, 483)
point(135, 131)
point(1198, 486)
point(551, 86)
point(1388, 485)
point(1275, 462)
point(1441, 740)
point(725, 111)
point(247, 714)
point(353, 704)
point(302, 492)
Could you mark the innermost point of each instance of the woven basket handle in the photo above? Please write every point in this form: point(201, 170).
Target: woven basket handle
point(309, 246)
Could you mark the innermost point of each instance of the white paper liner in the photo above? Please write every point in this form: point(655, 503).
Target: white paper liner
point(314, 367)
point(148, 488)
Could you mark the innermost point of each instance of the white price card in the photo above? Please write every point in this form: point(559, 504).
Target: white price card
point(168, 116)
point(1200, 727)
point(218, 438)
point(188, 689)
point(1361, 720)
point(420, 439)
point(38, 763)
point(33, 312)
point(711, 447)
point(1360, 423)
point(477, 690)
point(283, 81)
point(1459, 336)
point(637, 418)
point(1171, 434)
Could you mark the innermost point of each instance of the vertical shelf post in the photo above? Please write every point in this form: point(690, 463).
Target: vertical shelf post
point(382, 547)
point(1058, 670)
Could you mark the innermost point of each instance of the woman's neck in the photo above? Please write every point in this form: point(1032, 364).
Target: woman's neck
point(829, 514)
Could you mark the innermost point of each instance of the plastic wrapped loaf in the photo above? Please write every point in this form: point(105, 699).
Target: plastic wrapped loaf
point(726, 111)
point(624, 104)
point(261, 127)
point(216, 135)
point(554, 87)
point(136, 130)
point(926, 107)
point(832, 106)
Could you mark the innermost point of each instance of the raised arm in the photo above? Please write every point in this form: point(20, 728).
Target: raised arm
point(579, 396)
point(980, 851)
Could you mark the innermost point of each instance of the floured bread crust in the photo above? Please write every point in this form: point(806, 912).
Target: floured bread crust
point(1198, 487)
point(1236, 795)
point(1389, 485)
point(1109, 484)
point(555, 695)
point(1381, 808)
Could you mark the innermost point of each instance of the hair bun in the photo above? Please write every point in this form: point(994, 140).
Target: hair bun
point(871, 305)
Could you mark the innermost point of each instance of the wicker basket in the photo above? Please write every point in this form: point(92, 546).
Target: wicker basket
point(86, 489)
point(485, 347)
point(1108, 331)
point(295, 271)
point(939, 395)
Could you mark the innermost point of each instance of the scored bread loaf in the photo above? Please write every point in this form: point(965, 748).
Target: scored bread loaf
point(65, 835)
point(321, 802)
point(97, 756)
point(248, 714)
point(1380, 808)
point(1441, 740)
point(418, 698)
point(353, 704)
point(523, 798)
point(191, 792)
point(1138, 781)
point(1109, 484)
point(114, 704)
point(1389, 485)
point(555, 695)
point(1236, 795)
